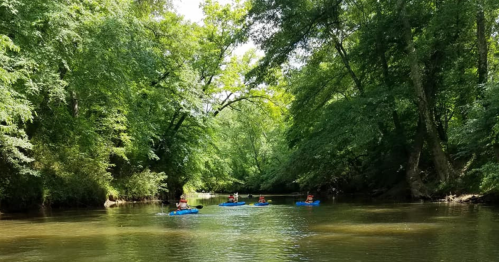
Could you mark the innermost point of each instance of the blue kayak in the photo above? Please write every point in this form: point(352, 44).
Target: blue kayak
point(184, 212)
point(315, 203)
point(262, 204)
point(227, 204)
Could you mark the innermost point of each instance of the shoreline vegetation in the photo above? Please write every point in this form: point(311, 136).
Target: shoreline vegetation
point(460, 199)
point(127, 100)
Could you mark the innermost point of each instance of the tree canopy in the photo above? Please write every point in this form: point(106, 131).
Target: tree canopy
point(386, 88)
point(127, 99)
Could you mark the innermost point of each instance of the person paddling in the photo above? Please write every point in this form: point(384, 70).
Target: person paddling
point(261, 199)
point(310, 199)
point(231, 199)
point(183, 204)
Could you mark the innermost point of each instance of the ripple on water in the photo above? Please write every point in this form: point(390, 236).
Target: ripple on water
point(376, 228)
point(279, 232)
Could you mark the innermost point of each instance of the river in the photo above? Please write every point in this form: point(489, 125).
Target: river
point(335, 231)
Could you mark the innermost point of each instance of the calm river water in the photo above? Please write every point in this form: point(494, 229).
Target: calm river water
point(335, 231)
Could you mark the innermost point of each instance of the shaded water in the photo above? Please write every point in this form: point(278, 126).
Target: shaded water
point(334, 231)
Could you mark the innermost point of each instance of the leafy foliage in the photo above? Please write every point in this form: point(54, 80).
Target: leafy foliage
point(126, 99)
point(349, 65)
point(115, 99)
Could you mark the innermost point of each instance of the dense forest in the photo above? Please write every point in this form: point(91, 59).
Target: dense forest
point(126, 99)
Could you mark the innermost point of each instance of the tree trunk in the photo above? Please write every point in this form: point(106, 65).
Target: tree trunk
point(179, 124)
point(440, 159)
point(482, 56)
point(496, 151)
point(381, 49)
point(346, 61)
point(482, 44)
point(418, 189)
point(255, 152)
point(74, 105)
point(175, 188)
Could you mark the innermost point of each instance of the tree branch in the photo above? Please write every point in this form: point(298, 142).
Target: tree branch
point(248, 98)
point(161, 78)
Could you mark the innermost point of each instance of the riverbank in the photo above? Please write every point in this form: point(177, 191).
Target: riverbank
point(471, 199)
point(466, 198)
point(110, 203)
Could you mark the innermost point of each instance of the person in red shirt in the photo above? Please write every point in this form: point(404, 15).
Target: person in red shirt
point(231, 199)
point(310, 199)
point(261, 199)
point(183, 204)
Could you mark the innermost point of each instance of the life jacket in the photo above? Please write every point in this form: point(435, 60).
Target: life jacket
point(183, 201)
point(231, 197)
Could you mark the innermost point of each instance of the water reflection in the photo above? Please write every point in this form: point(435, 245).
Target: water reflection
point(377, 229)
point(337, 231)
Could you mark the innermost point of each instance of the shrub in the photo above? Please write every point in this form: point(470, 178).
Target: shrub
point(141, 185)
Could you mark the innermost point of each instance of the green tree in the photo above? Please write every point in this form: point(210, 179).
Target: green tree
point(363, 67)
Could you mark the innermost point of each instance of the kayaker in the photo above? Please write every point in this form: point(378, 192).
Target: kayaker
point(261, 199)
point(310, 199)
point(183, 204)
point(231, 199)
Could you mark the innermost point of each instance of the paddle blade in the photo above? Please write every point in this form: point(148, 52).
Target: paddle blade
point(199, 207)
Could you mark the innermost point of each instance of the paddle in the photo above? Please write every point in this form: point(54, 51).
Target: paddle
point(168, 202)
point(198, 207)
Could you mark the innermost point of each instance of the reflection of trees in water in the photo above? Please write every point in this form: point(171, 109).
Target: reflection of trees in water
point(280, 232)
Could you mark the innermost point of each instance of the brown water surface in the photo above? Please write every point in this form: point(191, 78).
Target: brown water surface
point(334, 231)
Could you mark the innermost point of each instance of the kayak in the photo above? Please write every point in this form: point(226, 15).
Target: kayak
point(315, 203)
point(232, 204)
point(262, 204)
point(184, 212)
